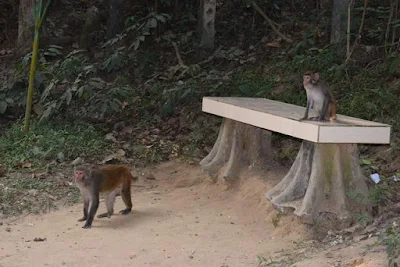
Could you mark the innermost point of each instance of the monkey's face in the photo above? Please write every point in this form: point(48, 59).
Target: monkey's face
point(79, 175)
point(307, 79)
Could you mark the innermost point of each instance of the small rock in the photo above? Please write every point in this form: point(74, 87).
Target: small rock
point(77, 161)
point(60, 156)
point(150, 176)
point(32, 192)
point(329, 255)
point(110, 137)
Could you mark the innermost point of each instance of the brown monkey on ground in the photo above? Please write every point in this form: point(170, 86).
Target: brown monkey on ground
point(106, 179)
point(319, 97)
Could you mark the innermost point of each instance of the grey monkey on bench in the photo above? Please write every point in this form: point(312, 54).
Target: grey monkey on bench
point(319, 97)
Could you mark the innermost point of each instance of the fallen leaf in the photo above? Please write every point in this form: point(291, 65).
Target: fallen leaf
point(24, 164)
point(273, 44)
point(357, 262)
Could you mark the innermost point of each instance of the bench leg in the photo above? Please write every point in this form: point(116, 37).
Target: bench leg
point(237, 145)
point(325, 181)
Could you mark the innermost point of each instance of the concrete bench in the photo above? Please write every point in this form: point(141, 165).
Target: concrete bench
point(325, 177)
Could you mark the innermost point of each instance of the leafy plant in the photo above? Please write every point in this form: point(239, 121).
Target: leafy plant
point(115, 61)
point(379, 194)
point(392, 241)
point(139, 28)
point(46, 141)
point(363, 219)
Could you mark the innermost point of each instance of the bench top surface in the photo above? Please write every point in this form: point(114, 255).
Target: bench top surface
point(284, 118)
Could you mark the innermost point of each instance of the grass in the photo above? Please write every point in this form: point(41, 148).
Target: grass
point(21, 193)
point(50, 141)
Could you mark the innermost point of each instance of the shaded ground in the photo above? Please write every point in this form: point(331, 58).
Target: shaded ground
point(179, 219)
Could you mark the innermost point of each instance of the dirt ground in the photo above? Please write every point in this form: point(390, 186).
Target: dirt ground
point(179, 219)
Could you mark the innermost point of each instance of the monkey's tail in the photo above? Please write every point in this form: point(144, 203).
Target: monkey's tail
point(332, 111)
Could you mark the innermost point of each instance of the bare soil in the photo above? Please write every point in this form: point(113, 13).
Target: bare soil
point(179, 219)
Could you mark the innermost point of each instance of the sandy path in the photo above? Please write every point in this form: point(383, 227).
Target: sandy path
point(177, 221)
point(170, 226)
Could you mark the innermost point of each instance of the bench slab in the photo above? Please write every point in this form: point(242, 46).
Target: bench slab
point(284, 118)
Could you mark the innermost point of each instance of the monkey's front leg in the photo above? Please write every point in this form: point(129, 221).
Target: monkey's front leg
point(86, 202)
point(309, 104)
point(92, 212)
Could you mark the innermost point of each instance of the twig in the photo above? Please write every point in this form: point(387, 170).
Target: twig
point(271, 23)
point(210, 58)
point(358, 37)
point(388, 25)
point(348, 29)
point(178, 56)
point(396, 8)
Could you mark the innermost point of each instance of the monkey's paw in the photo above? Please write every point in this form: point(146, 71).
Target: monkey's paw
point(125, 211)
point(83, 219)
point(87, 226)
point(303, 119)
point(104, 215)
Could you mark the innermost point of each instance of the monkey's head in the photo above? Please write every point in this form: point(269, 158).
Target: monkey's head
point(81, 173)
point(309, 77)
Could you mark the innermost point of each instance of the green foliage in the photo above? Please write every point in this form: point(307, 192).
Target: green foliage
point(315, 60)
point(392, 241)
point(50, 142)
point(139, 29)
point(71, 82)
point(355, 196)
point(23, 193)
point(363, 219)
point(115, 61)
point(380, 193)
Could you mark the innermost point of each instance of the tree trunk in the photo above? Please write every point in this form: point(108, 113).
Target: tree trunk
point(324, 179)
point(92, 23)
point(238, 145)
point(25, 26)
point(339, 20)
point(206, 23)
point(115, 17)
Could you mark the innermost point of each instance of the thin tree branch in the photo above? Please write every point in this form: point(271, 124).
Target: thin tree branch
point(396, 8)
point(271, 23)
point(178, 56)
point(388, 24)
point(358, 37)
point(348, 30)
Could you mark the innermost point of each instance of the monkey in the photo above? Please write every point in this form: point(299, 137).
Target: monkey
point(319, 97)
point(106, 179)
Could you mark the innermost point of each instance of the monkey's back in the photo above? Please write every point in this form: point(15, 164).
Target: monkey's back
point(113, 176)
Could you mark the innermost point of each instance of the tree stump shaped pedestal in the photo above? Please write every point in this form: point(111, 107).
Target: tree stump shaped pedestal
point(238, 145)
point(324, 179)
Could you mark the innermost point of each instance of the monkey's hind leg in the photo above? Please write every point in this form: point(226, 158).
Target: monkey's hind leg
point(110, 200)
point(126, 197)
